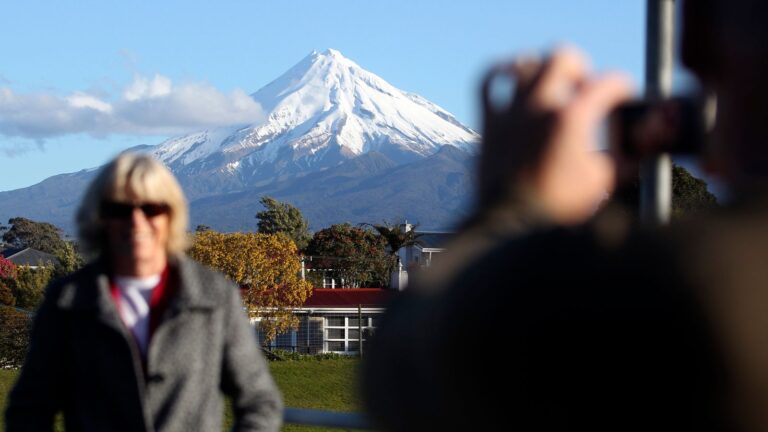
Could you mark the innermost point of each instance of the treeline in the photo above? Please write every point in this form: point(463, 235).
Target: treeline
point(266, 264)
point(361, 255)
point(23, 286)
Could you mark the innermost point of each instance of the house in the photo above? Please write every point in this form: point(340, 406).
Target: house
point(427, 245)
point(29, 257)
point(330, 321)
point(419, 255)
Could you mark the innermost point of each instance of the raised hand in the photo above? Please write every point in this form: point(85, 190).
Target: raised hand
point(541, 147)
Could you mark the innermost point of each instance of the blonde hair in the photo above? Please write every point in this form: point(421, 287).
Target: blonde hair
point(132, 177)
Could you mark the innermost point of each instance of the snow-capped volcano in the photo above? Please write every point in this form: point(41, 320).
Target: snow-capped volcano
point(335, 140)
point(322, 111)
point(335, 97)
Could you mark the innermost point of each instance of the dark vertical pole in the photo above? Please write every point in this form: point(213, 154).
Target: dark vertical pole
point(656, 172)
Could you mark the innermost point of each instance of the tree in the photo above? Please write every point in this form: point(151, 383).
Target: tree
point(266, 265)
point(7, 268)
point(45, 237)
point(42, 236)
point(15, 327)
point(6, 295)
point(7, 277)
point(689, 194)
point(29, 286)
point(395, 235)
point(69, 260)
point(280, 217)
point(356, 256)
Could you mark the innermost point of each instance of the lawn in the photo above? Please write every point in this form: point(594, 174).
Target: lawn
point(318, 384)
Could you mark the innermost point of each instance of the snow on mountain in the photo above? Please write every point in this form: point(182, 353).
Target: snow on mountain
point(337, 140)
point(323, 110)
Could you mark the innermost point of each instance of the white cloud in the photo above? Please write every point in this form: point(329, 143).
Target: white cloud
point(146, 107)
point(82, 100)
point(142, 88)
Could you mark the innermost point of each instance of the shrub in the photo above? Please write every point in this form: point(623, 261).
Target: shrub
point(29, 286)
point(15, 326)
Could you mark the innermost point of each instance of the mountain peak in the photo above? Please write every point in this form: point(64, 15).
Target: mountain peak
point(330, 52)
point(326, 54)
point(322, 60)
point(322, 111)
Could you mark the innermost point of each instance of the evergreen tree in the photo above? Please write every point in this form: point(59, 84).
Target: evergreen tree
point(46, 237)
point(280, 217)
point(42, 236)
point(352, 254)
point(690, 194)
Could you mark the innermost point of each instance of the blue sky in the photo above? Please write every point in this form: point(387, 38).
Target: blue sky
point(56, 54)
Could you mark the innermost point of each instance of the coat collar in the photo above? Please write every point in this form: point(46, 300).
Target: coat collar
point(89, 289)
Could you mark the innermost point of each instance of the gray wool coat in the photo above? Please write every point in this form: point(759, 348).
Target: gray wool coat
point(83, 361)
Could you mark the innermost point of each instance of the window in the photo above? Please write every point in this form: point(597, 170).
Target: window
point(342, 333)
point(335, 321)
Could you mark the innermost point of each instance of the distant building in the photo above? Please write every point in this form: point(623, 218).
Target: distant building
point(428, 244)
point(419, 255)
point(330, 322)
point(29, 257)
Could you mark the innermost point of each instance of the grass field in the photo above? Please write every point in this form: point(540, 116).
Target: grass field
point(318, 384)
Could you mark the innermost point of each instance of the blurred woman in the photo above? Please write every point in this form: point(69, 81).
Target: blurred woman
point(142, 338)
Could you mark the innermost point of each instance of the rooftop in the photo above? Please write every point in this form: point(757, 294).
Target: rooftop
point(433, 239)
point(28, 256)
point(349, 297)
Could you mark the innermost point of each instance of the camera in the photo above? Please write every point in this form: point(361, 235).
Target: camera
point(649, 127)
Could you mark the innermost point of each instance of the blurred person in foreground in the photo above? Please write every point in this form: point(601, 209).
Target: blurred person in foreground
point(142, 338)
point(545, 318)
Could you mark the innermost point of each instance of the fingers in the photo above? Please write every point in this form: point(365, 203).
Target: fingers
point(597, 97)
point(565, 79)
point(559, 79)
point(516, 78)
point(525, 69)
point(543, 85)
point(545, 139)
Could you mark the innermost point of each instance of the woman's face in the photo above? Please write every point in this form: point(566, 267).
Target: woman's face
point(137, 235)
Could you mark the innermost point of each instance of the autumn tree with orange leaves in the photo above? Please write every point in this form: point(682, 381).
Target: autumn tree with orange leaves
point(267, 266)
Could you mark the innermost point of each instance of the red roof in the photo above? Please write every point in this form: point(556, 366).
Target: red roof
point(349, 297)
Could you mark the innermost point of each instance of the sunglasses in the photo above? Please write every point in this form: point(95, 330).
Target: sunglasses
point(120, 210)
